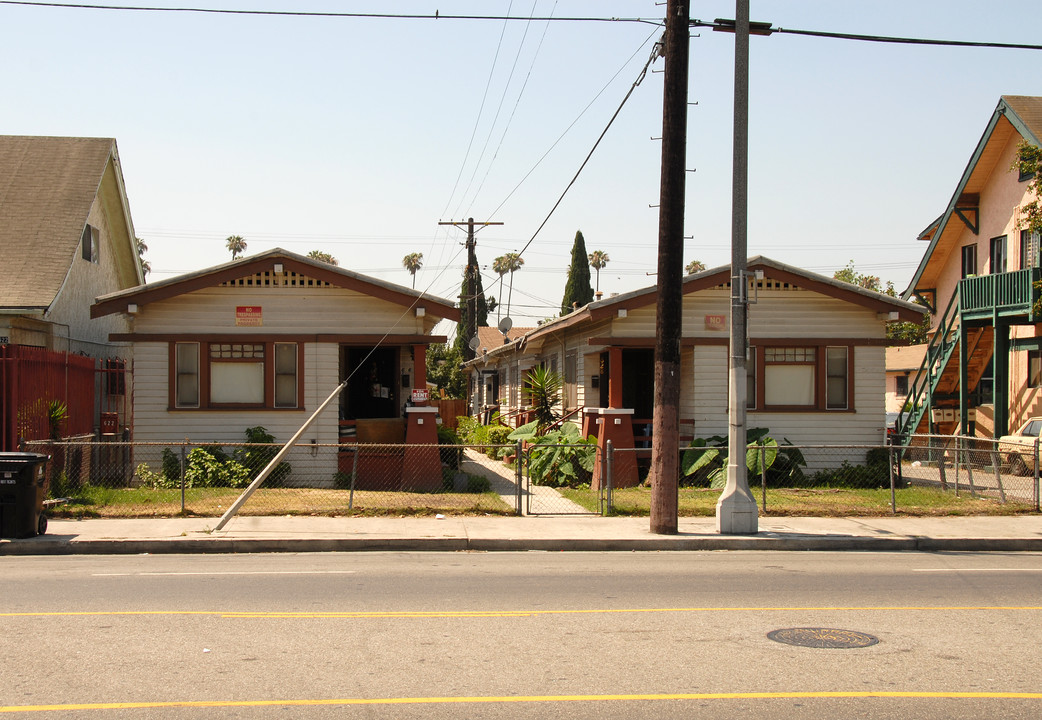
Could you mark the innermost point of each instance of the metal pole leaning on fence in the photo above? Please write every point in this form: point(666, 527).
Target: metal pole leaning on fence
point(276, 460)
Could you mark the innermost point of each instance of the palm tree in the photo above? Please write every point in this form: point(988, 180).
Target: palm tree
point(323, 257)
point(142, 248)
point(413, 262)
point(236, 245)
point(598, 259)
point(500, 266)
point(513, 262)
point(694, 266)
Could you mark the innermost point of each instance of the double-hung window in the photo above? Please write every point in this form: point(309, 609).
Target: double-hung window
point(799, 378)
point(236, 374)
point(1029, 250)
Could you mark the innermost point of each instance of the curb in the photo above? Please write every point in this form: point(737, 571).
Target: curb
point(43, 546)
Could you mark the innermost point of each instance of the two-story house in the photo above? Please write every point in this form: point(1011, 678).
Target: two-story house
point(978, 276)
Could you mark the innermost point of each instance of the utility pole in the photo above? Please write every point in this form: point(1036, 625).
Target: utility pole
point(665, 458)
point(471, 277)
point(736, 511)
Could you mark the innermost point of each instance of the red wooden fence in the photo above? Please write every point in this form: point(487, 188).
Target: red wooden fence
point(31, 381)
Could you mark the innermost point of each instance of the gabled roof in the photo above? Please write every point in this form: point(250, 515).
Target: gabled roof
point(1015, 114)
point(47, 186)
point(491, 338)
point(265, 262)
point(607, 308)
point(905, 358)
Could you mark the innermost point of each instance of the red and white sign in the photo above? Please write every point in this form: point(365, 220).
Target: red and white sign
point(420, 395)
point(716, 322)
point(248, 316)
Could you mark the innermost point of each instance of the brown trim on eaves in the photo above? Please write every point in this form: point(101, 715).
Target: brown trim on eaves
point(227, 337)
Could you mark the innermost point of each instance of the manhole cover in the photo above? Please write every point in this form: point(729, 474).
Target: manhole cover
point(822, 638)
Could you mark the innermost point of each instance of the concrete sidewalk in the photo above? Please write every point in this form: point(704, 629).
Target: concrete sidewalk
point(575, 533)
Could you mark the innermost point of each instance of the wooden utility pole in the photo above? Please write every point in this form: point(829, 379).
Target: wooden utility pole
point(471, 277)
point(665, 456)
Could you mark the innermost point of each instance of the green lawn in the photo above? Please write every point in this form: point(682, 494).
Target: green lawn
point(212, 502)
point(818, 502)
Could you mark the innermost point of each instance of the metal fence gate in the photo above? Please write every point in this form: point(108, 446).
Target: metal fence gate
point(548, 470)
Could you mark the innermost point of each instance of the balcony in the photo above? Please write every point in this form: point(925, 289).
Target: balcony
point(1003, 295)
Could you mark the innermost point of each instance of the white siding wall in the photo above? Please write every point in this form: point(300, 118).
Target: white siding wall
point(284, 309)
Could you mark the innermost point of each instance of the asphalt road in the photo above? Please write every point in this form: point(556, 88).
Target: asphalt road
point(562, 635)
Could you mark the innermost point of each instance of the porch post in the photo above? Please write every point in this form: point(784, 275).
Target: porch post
point(964, 379)
point(615, 377)
point(419, 369)
point(1000, 391)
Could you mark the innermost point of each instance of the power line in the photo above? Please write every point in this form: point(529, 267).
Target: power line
point(297, 13)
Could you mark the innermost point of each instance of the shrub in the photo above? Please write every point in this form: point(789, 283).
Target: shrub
point(451, 455)
point(206, 468)
point(705, 461)
point(257, 458)
point(155, 480)
point(560, 458)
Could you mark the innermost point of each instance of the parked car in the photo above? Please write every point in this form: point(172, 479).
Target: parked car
point(1019, 448)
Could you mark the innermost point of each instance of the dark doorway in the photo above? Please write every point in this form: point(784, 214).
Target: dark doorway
point(373, 391)
point(638, 381)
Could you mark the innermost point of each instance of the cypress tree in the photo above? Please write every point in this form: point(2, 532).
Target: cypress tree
point(578, 288)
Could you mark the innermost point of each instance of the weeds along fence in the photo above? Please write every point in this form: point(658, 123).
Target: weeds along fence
point(925, 475)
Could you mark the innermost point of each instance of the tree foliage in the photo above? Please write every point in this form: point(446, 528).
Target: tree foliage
point(142, 248)
point(323, 257)
point(413, 262)
point(236, 244)
point(598, 260)
point(577, 289)
point(695, 266)
point(1029, 164)
point(898, 333)
point(443, 369)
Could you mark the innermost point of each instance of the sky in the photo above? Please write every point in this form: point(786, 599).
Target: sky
point(356, 136)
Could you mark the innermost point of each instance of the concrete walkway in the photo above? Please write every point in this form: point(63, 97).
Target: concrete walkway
point(568, 533)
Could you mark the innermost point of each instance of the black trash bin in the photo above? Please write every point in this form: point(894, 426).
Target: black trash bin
point(21, 494)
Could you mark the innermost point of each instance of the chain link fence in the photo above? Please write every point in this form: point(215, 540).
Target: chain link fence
point(926, 475)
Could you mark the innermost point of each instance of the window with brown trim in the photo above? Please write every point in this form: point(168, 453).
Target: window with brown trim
point(236, 375)
point(800, 378)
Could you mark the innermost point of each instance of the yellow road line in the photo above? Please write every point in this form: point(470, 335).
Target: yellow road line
point(275, 614)
point(820, 695)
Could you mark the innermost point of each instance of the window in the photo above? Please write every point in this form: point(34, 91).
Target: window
point(1034, 368)
point(836, 378)
point(969, 260)
point(998, 254)
point(89, 243)
point(286, 375)
point(794, 379)
point(186, 392)
point(789, 376)
point(1029, 247)
point(901, 385)
point(236, 374)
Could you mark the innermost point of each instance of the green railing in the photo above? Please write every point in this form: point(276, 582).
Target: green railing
point(943, 343)
point(1003, 294)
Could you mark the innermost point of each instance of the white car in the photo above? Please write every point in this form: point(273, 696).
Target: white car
point(1019, 448)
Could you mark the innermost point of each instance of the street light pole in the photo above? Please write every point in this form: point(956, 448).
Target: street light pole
point(736, 512)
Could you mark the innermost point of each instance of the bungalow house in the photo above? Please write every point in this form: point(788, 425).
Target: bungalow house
point(66, 236)
point(264, 340)
point(815, 370)
point(981, 372)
